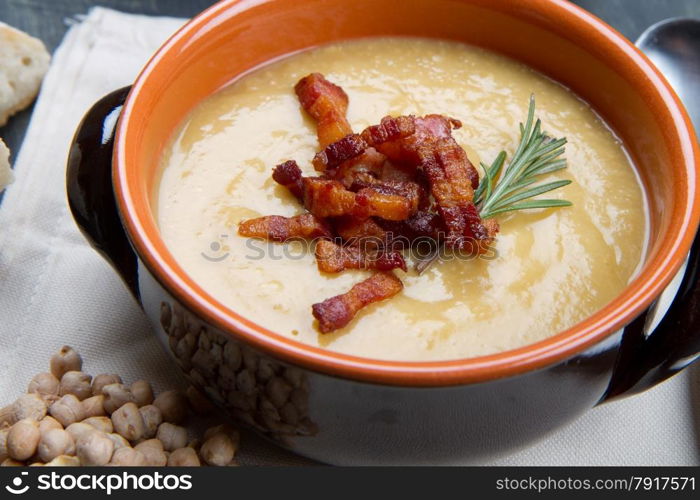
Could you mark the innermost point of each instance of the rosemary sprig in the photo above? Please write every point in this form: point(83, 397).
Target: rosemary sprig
point(537, 154)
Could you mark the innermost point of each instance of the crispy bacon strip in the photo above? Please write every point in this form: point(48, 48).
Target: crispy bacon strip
point(332, 258)
point(366, 233)
point(412, 191)
point(339, 151)
point(289, 175)
point(400, 138)
point(446, 166)
point(390, 129)
point(338, 311)
point(421, 225)
point(279, 228)
point(329, 198)
point(327, 103)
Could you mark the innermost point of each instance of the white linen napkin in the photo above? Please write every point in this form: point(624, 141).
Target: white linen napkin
point(55, 290)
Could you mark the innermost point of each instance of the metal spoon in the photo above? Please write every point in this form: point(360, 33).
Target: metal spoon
point(673, 45)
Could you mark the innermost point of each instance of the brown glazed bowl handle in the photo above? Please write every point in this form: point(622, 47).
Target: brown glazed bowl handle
point(90, 191)
point(648, 358)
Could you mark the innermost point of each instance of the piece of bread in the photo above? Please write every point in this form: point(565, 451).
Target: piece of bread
point(5, 171)
point(23, 64)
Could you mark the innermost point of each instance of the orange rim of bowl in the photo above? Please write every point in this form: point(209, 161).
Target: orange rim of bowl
point(658, 272)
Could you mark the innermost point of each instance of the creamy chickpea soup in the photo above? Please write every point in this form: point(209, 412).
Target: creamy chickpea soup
point(552, 267)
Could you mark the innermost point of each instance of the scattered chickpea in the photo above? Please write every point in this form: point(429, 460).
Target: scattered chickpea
point(65, 360)
point(172, 436)
point(77, 383)
point(102, 380)
point(152, 418)
point(103, 424)
point(67, 410)
point(44, 384)
point(94, 406)
point(152, 450)
point(3, 443)
point(64, 461)
point(118, 440)
point(127, 457)
point(78, 430)
point(128, 422)
point(47, 423)
point(116, 396)
point(31, 406)
point(94, 448)
point(54, 443)
point(143, 393)
point(183, 457)
point(63, 419)
point(218, 450)
point(10, 462)
point(172, 405)
point(23, 439)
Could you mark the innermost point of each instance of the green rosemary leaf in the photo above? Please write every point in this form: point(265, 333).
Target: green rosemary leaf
point(529, 193)
point(537, 154)
point(529, 205)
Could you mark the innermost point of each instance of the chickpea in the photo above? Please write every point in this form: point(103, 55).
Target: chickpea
point(47, 423)
point(172, 405)
point(31, 406)
point(128, 457)
point(44, 384)
point(172, 436)
point(152, 450)
point(22, 440)
point(103, 424)
point(118, 440)
point(65, 360)
point(94, 406)
point(78, 430)
point(77, 383)
point(64, 461)
point(183, 457)
point(218, 450)
point(128, 422)
point(152, 418)
point(143, 392)
point(54, 443)
point(116, 396)
point(67, 410)
point(102, 380)
point(94, 448)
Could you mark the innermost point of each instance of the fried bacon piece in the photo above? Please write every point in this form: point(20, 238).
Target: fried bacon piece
point(338, 311)
point(279, 228)
point(333, 258)
point(366, 233)
point(412, 191)
point(367, 167)
point(421, 225)
point(329, 198)
point(389, 130)
point(339, 151)
point(446, 166)
point(289, 175)
point(327, 103)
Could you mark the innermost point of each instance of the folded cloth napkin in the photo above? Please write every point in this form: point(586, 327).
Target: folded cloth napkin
point(55, 290)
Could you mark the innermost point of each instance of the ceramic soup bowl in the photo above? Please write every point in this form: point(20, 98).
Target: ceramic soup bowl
point(349, 410)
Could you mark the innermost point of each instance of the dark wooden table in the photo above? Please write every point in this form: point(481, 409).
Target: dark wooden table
point(45, 19)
